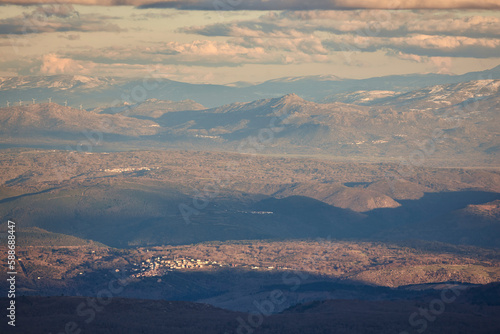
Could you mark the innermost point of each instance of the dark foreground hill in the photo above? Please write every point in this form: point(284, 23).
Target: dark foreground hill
point(461, 312)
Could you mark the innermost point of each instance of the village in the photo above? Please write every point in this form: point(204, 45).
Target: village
point(159, 266)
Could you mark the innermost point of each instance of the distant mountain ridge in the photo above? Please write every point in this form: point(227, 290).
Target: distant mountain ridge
point(100, 91)
point(440, 95)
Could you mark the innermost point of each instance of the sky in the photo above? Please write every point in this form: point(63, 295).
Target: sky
point(228, 41)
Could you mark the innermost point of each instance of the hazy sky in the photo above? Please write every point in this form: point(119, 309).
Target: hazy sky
point(224, 41)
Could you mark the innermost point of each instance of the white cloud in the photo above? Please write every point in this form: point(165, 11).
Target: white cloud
point(53, 64)
point(234, 52)
point(390, 23)
point(411, 57)
point(433, 34)
point(443, 64)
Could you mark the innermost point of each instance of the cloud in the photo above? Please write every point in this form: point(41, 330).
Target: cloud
point(390, 24)
point(156, 15)
point(281, 4)
point(234, 52)
point(212, 52)
point(55, 18)
point(307, 45)
point(361, 22)
point(78, 2)
point(261, 28)
point(71, 37)
point(322, 4)
point(62, 11)
point(53, 64)
point(430, 33)
point(406, 56)
point(430, 38)
point(443, 64)
point(299, 38)
point(418, 44)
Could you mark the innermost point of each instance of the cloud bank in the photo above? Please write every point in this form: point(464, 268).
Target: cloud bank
point(60, 18)
point(241, 43)
point(432, 34)
point(279, 4)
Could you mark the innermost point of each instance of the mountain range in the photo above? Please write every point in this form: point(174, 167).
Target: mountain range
point(453, 123)
point(95, 92)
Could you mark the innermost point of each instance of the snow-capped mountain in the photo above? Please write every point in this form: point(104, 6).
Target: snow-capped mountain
point(95, 92)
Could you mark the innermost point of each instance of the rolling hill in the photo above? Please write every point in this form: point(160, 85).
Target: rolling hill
point(151, 108)
point(53, 120)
